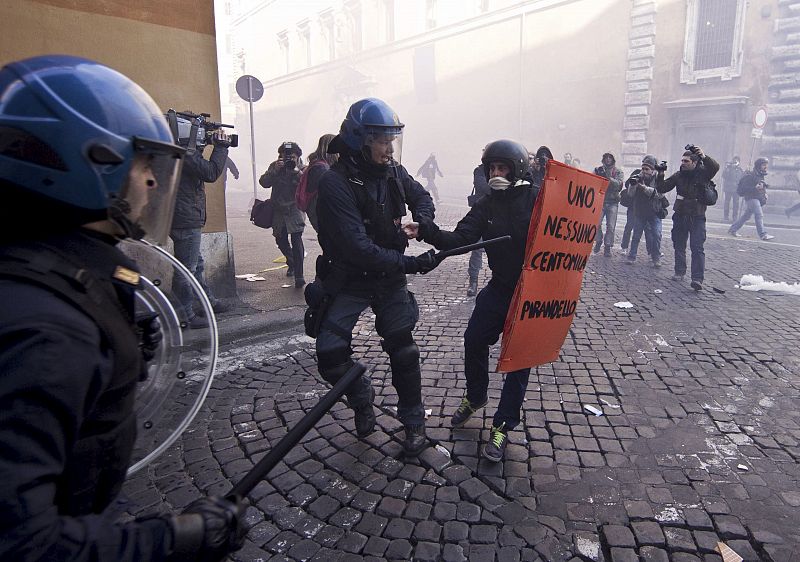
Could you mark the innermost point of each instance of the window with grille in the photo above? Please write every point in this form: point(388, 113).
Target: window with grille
point(714, 35)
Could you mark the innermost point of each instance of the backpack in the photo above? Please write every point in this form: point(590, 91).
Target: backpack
point(660, 206)
point(303, 196)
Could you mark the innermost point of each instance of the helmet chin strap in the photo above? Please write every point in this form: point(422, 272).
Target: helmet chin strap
point(118, 214)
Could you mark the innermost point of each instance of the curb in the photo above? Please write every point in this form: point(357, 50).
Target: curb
point(258, 324)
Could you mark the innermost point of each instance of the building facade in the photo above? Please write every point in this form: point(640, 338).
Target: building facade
point(581, 76)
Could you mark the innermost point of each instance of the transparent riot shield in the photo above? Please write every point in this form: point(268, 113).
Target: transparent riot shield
point(182, 370)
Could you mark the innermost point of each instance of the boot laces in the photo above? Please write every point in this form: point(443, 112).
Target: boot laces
point(466, 406)
point(498, 436)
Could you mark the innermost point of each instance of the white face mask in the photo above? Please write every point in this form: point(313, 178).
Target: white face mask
point(499, 183)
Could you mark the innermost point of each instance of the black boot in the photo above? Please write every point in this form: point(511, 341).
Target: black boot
point(415, 441)
point(364, 416)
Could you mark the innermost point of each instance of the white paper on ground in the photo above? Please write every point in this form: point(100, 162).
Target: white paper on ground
point(592, 409)
point(255, 278)
point(623, 304)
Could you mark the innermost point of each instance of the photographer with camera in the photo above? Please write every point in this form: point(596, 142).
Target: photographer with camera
point(753, 189)
point(647, 207)
point(543, 154)
point(190, 204)
point(615, 178)
point(695, 191)
point(283, 176)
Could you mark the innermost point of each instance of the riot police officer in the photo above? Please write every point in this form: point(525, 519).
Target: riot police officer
point(506, 211)
point(86, 159)
point(362, 199)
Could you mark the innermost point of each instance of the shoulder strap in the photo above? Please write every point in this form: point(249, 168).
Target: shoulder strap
point(46, 267)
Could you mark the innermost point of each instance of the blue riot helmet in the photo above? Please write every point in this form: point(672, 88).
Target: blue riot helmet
point(79, 135)
point(373, 129)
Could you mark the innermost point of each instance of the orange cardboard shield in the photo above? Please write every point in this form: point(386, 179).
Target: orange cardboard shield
point(563, 228)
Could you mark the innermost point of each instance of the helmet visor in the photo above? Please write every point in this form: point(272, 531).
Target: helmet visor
point(152, 186)
point(384, 148)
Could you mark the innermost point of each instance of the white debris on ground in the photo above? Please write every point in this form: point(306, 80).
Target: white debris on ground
point(623, 304)
point(751, 282)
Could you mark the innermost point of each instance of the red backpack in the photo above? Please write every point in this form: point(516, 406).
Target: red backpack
point(303, 196)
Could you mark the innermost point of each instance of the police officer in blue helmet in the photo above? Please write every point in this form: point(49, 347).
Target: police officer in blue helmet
point(86, 160)
point(362, 200)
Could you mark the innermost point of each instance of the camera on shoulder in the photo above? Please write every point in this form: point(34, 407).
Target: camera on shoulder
point(189, 128)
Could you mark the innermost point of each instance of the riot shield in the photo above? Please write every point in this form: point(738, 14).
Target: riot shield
point(180, 375)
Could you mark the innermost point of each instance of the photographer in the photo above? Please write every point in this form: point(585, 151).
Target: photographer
point(283, 176)
point(689, 218)
point(753, 189)
point(647, 207)
point(190, 217)
point(615, 178)
point(543, 154)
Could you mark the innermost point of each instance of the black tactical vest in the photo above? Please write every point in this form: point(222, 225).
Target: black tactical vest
point(98, 460)
point(382, 220)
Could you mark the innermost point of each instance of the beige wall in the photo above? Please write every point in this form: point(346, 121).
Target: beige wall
point(167, 47)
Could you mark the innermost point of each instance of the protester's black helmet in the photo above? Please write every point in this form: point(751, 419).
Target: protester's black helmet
point(512, 153)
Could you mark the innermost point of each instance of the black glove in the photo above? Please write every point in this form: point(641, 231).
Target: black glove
point(427, 228)
point(148, 329)
point(427, 262)
point(208, 530)
point(220, 141)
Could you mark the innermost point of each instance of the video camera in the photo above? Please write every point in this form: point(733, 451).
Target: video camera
point(186, 125)
point(661, 167)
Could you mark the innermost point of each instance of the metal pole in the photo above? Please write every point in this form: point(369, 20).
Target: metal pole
point(291, 439)
point(252, 137)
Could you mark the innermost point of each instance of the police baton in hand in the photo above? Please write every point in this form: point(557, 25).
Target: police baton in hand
point(466, 249)
point(291, 439)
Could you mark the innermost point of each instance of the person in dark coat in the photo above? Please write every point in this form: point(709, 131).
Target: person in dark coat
point(730, 181)
point(362, 201)
point(86, 160)
point(507, 210)
point(647, 208)
point(689, 217)
point(429, 170)
point(282, 176)
point(609, 170)
point(190, 218)
point(753, 189)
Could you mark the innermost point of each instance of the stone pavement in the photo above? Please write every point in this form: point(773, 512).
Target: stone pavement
point(699, 440)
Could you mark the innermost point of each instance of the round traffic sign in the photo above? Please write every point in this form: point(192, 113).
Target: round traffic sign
point(760, 118)
point(249, 88)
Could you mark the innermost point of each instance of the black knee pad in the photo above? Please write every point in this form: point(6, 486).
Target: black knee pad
point(333, 373)
point(397, 340)
point(327, 360)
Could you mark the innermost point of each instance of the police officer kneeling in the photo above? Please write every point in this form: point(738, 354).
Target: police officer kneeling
point(361, 201)
point(86, 159)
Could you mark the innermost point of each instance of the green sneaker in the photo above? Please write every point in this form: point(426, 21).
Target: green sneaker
point(464, 412)
point(496, 447)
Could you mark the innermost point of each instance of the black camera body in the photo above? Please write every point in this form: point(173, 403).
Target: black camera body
point(186, 124)
point(661, 167)
point(691, 148)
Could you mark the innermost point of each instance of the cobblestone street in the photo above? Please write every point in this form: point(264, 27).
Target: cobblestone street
point(698, 441)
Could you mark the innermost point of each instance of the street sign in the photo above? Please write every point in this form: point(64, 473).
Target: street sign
point(249, 88)
point(756, 133)
point(760, 118)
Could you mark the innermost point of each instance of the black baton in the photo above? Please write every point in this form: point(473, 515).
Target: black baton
point(476, 246)
point(291, 439)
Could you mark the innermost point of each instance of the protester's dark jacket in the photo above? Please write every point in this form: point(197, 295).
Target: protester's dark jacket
point(360, 213)
point(66, 411)
point(730, 177)
point(501, 213)
point(688, 185)
point(643, 204)
point(479, 183)
point(190, 203)
point(747, 187)
point(283, 183)
point(615, 179)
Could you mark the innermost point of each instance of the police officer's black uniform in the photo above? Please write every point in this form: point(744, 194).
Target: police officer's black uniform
point(360, 207)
